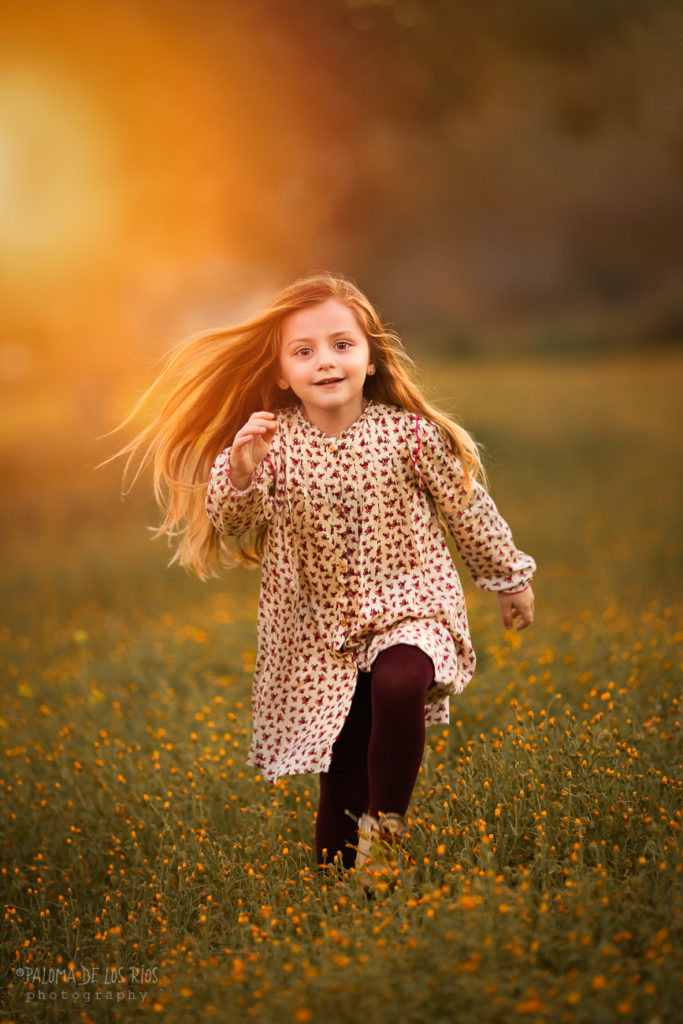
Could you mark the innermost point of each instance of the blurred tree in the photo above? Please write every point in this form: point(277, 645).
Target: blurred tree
point(478, 168)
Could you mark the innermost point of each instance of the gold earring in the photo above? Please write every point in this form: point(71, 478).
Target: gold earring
point(371, 370)
point(283, 384)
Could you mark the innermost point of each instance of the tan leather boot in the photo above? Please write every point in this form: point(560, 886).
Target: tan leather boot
point(381, 852)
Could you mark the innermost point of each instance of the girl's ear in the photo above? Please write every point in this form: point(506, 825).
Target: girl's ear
point(282, 383)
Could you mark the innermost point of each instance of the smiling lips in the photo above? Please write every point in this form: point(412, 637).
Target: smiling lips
point(328, 380)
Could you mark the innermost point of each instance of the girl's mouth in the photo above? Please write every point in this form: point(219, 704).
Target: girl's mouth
point(328, 382)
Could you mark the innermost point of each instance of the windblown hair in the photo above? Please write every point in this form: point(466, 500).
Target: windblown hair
point(218, 379)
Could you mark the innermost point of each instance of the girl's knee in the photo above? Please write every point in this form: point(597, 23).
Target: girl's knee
point(402, 670)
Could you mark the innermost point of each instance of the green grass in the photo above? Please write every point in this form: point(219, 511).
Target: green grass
point(138, 849)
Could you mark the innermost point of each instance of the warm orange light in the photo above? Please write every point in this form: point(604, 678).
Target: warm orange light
point(55, 198)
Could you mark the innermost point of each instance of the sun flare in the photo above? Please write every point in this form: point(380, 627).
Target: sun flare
point(55, 199)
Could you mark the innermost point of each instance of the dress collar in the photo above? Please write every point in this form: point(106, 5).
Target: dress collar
point(317, 435)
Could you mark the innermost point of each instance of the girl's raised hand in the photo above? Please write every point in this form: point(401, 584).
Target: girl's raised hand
point(250, 447)
point(517, 606)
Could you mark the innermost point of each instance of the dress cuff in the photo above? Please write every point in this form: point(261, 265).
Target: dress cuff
point(520, 590)
point(222, 466)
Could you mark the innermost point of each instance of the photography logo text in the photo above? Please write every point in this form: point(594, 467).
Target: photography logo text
point(86, 983)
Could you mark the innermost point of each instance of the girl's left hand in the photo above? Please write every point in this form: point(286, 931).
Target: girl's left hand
point(517, 606)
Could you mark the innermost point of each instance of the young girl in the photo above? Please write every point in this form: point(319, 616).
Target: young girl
point(301, 435)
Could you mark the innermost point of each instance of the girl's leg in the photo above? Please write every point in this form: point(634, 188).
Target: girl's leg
point(377, 755)
point(400, 678)
point(345, 785)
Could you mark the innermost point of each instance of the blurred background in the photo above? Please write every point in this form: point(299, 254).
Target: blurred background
point(500, 178)
point(503, 178)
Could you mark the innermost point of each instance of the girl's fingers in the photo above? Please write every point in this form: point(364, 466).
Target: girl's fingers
point(519, 607)
point(252, 441)
point(254, 426)
point(265, 419)
point(526, 615)
point(264, 428)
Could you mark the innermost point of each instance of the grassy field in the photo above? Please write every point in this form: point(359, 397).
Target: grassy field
point(146, 869)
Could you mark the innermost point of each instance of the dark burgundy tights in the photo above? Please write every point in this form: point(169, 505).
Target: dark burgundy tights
point(377, 755)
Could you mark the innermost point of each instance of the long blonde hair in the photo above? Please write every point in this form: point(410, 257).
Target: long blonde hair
point(219, 378)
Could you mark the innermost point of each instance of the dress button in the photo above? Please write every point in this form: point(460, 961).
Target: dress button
point(343, 623)
point(342, 567)
point(332, 448)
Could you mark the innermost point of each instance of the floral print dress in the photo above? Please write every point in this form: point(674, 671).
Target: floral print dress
point(355, 561)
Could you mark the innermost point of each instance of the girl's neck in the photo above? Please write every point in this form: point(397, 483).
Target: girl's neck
point(334, 422)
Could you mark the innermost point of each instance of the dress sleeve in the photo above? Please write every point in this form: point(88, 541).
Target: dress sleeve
point(483, 538)
point(232, 511)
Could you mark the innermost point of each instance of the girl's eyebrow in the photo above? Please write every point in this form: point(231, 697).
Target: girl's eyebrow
point(335, 334)
point(298, 341)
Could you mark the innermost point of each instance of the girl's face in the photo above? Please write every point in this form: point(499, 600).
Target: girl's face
point(324, 359)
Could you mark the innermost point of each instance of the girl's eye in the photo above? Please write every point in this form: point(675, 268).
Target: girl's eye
point(343, 344)
point(302, 352)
